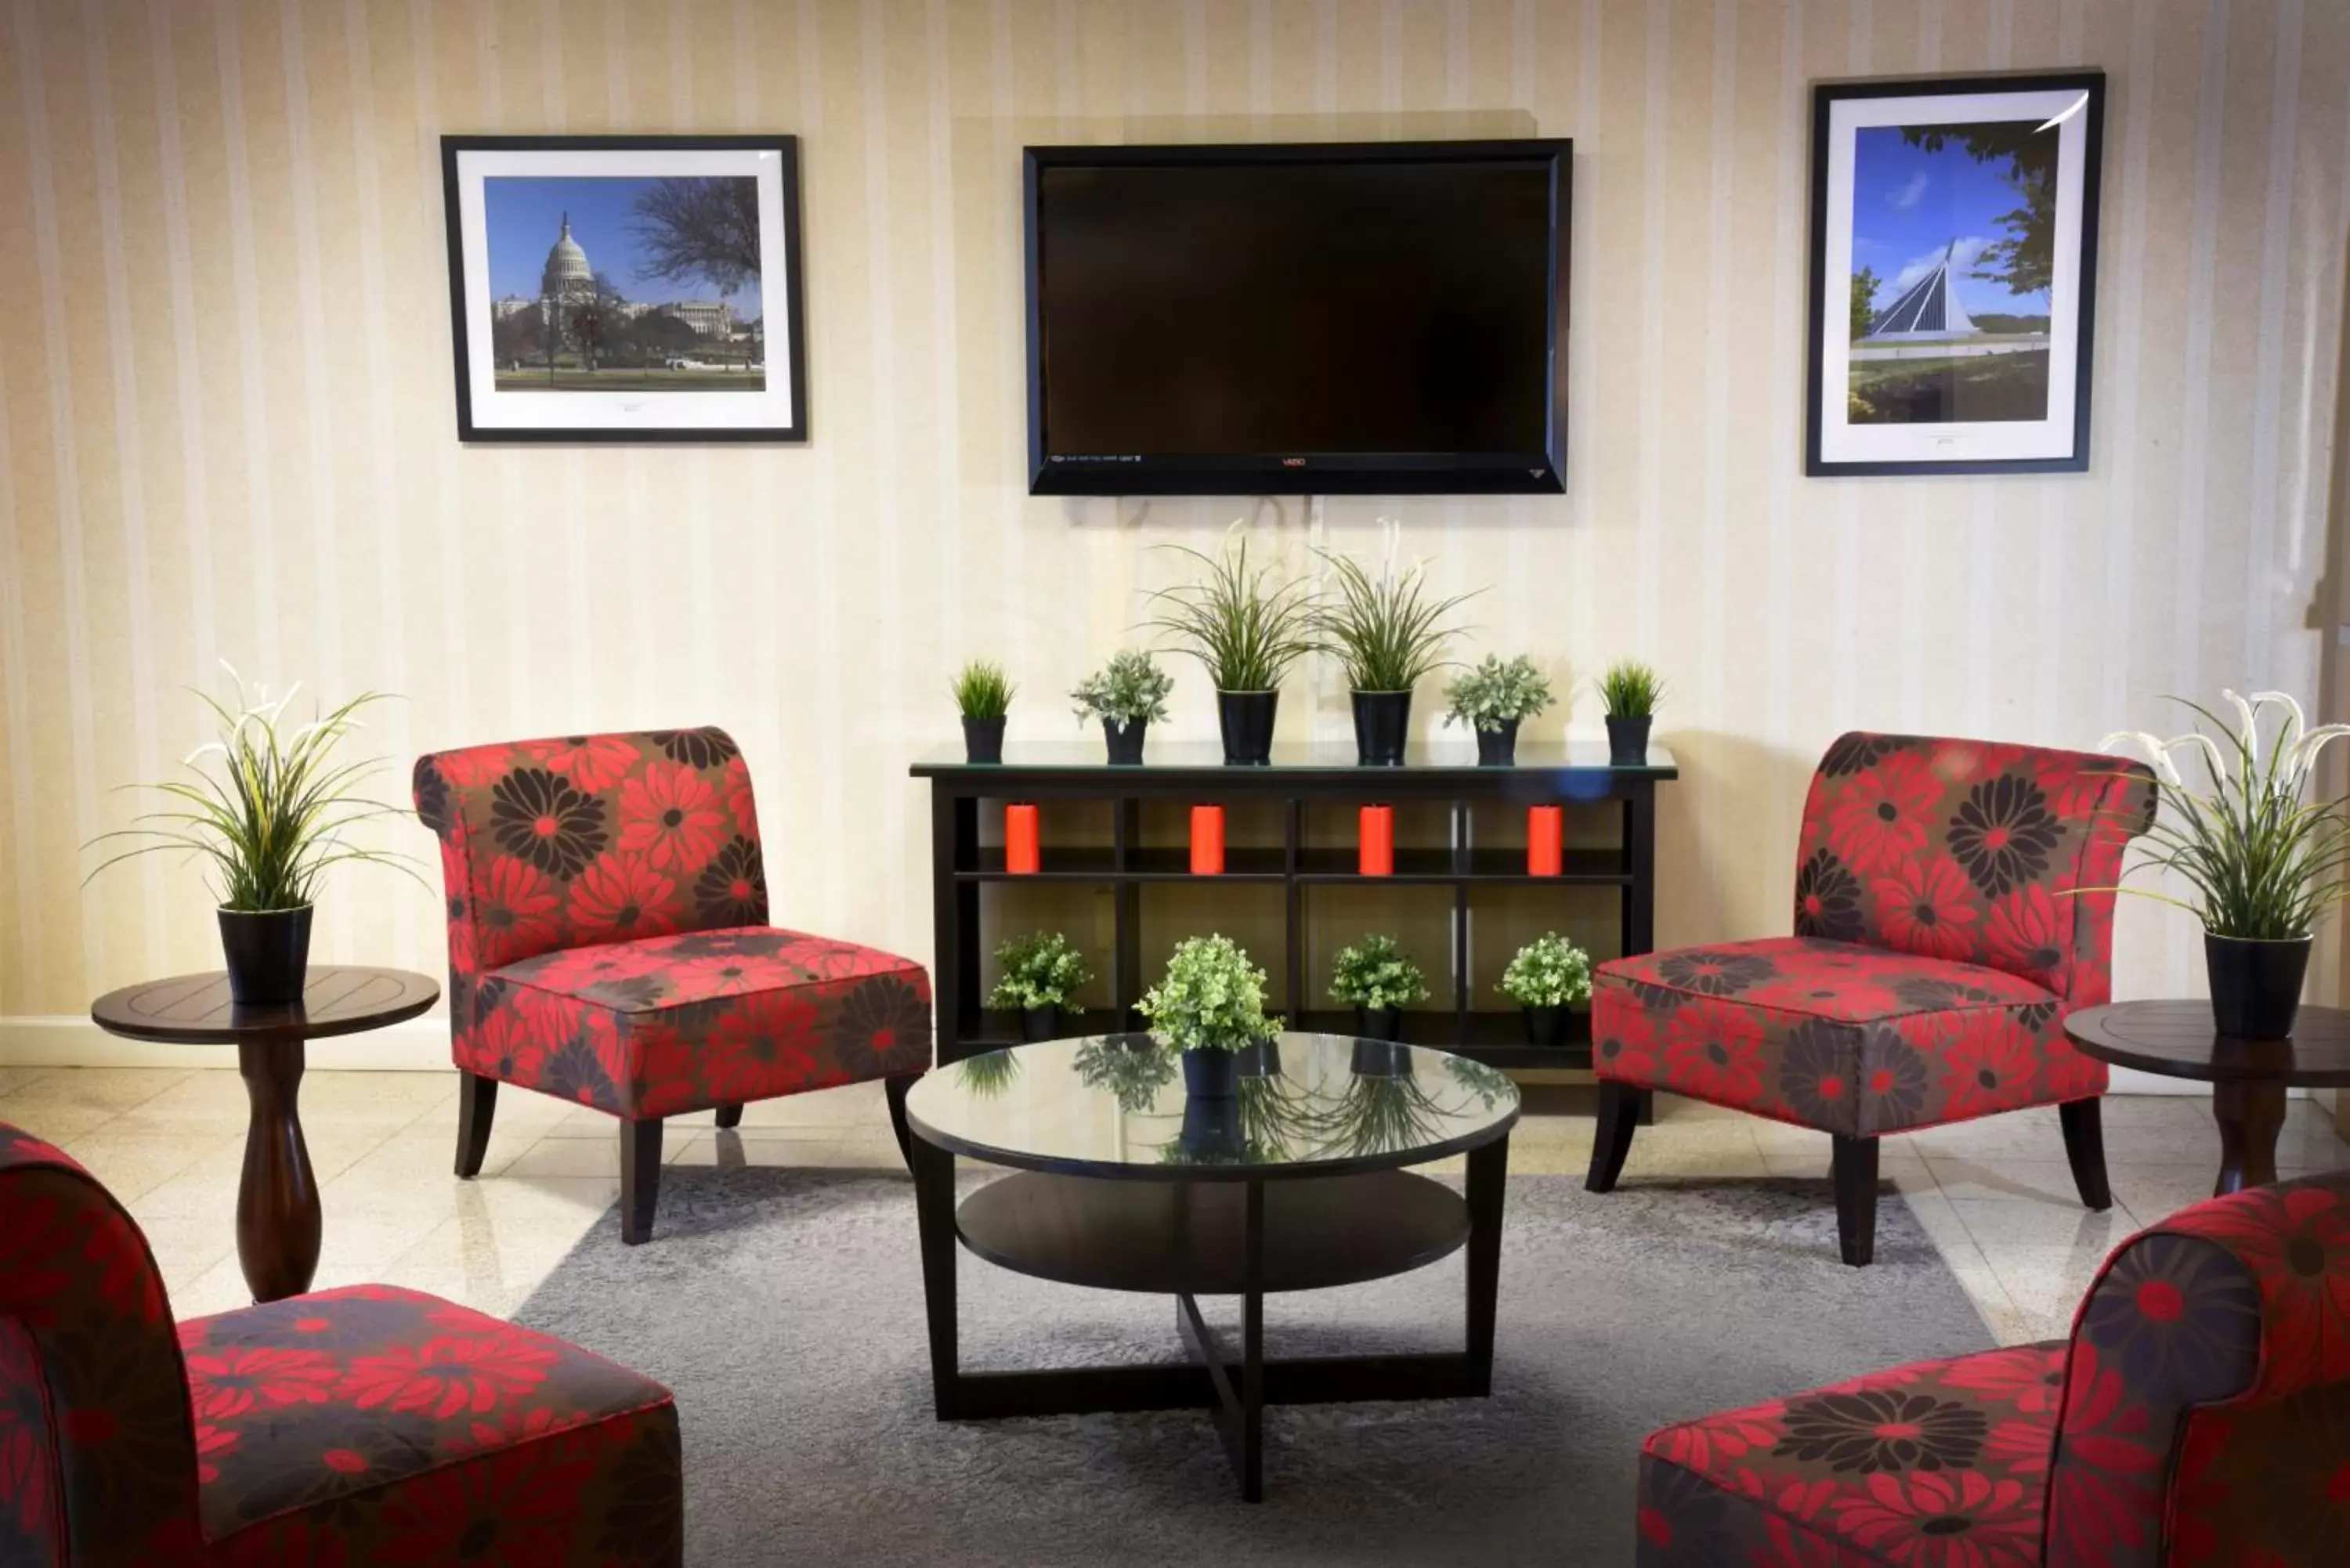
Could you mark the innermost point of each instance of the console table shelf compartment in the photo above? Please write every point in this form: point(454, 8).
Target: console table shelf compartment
point(1443, 780)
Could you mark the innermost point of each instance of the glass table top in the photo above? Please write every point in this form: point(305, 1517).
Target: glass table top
point(1308, 1105)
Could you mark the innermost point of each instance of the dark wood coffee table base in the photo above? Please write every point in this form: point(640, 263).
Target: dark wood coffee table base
point(1318, 1232)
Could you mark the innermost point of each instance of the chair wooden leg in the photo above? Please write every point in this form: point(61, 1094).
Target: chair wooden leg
point(641, 1163)
point(477, 1099)
point(730, 1115)
point(2084, 1147)
point(1622, 1109)
point(896, 1089)
point(1855, 1163)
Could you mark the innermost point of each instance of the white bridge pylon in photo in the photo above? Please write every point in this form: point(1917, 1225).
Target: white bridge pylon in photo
point(1928, 308)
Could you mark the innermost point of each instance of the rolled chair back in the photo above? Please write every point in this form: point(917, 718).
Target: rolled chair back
point(1973, 851)
point(2206, 1390)
point(578, 840)
point(98, 1442)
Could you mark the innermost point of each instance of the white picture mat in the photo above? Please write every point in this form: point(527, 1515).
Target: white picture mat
point(495, 410)
point(1985, 441)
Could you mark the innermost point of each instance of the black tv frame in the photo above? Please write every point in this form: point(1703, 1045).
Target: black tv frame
point(1542, 473)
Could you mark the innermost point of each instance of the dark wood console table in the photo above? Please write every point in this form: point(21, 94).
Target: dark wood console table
point(1443, 779)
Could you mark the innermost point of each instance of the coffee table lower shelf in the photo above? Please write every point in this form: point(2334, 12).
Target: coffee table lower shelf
point(1243, 1238)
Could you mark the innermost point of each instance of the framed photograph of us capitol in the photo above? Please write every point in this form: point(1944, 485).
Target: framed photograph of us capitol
point(626, 288)
point(1954, 264)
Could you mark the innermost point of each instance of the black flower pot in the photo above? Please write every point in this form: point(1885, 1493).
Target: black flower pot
point(1382, 719)
point(1627, 741)
point(1039, 1022)
point(1246, 719)
point(2255, 985)
point(1378, 1023)
point(1125, 743)
point(1546, 1025)
point(1213, 1133)
point(1498, 748)
point(268, 954)
point(983, 740)
point(1210, 1074)
point(1381, 1059)
point(1262, 1060)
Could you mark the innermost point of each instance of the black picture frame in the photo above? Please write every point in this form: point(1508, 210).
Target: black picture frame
point(465, 340)
point(2081, 349)
point(1532, 472)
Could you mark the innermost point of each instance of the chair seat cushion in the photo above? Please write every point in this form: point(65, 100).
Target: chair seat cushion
point(1834, 1035)
point(377, 1425)
point(1939, 1462)
point(681, 1023)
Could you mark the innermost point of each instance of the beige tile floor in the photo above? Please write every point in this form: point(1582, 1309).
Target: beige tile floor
point(1995, 1196)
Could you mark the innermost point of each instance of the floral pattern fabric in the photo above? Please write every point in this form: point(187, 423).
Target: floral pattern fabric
point(1848, 1039)
point(1945, 921)
point(607, 936)
point(363, 1426)
point(678, 1024)
point(375, 1425)
point(2198, 1414)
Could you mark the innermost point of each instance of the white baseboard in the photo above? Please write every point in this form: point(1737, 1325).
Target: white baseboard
point(419, 1045)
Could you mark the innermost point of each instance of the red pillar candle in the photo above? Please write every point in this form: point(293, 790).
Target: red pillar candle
point(1545, 835)
point(1376, 839)
point(1207, 841)
point(1020, 853)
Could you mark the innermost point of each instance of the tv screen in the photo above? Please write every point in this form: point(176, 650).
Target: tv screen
point(1355, 318)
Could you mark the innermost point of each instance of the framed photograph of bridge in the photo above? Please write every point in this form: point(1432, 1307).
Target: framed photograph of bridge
point(625, 289)
point(1954, 266)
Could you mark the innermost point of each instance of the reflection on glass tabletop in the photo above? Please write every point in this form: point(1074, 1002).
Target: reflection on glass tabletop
point(1308, 1105)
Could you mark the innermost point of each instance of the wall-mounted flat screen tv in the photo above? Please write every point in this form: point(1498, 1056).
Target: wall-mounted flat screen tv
point(1383, 317)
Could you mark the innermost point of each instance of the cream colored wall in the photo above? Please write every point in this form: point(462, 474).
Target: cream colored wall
point(225, 427)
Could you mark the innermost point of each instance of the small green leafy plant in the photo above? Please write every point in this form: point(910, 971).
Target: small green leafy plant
point(1130, 689)
point(1133, 1068)
point(989, 1073)
point(272, 812)
point(1041, 969)
point(1497, 693)
point(1245, 626)
point(982, 690)
point(1376, 973)
point(2265, 865)
point(1385, 630)
point(1631, 690)
point(1549, 971)
point(1212, 998)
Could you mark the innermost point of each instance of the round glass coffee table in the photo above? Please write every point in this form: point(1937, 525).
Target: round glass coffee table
point(1124, 1182)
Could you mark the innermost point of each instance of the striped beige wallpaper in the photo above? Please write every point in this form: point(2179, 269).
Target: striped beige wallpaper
point(225, 425)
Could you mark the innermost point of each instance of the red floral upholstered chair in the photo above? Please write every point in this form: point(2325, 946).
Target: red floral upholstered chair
point(608, 944)
point(360, 1426)
point(2199, 1413)
point(1941, 934)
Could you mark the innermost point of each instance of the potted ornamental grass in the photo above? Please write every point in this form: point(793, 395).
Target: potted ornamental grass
point(1247, 626)
point(2263, 863)
point(1632, 690)
point(1391, 636)
point(1377, 980)
point(1125, 694)
point(1210, 1007)
point(1546, 976)
point(1493, 699)
point(270, 806)
point(1042, 974)
point(984, 693)
point(989, 1073)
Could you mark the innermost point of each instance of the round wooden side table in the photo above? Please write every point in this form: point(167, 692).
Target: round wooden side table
point(277, 1199)
point(2248, 1077)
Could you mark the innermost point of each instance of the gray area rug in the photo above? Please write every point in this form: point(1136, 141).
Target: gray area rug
point(785, 1308)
